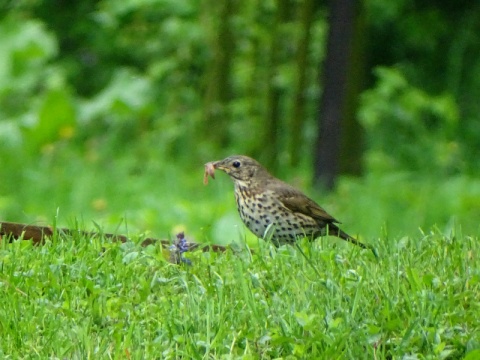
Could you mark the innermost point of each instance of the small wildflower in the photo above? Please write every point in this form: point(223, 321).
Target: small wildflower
point(182, 244)
point(178, 248)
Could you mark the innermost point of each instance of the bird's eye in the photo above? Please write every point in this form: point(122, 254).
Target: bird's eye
point(236, 164)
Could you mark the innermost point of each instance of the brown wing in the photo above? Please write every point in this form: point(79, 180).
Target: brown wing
point(296, 201)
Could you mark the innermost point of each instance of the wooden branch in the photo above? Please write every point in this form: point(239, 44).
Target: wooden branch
point(37, 235)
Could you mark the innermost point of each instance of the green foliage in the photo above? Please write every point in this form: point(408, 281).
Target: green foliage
point(158, 67)
point(26, 49)
point(424, 44)
point(82, 298)
point(409, 129)
point(173, 46)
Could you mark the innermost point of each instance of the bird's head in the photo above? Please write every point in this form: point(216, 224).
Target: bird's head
point(240, 168)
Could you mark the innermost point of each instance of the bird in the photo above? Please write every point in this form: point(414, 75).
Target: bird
point(272, 209)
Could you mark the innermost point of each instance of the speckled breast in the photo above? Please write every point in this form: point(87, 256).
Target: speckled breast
point(268, 218)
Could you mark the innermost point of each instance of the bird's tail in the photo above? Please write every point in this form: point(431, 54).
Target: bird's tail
point(335, 231)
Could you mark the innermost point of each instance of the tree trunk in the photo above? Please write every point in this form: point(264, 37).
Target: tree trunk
point(338, 102)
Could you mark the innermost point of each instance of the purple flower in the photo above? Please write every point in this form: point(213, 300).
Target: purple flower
point(177, 249)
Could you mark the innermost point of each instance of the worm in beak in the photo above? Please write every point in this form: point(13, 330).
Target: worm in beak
point(209, 171)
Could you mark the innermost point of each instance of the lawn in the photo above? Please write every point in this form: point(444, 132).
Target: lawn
point(89, 298)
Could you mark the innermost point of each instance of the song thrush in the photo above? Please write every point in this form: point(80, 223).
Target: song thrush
point(273, 209)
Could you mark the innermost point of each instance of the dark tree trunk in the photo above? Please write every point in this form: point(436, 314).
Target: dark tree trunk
point(340, 90)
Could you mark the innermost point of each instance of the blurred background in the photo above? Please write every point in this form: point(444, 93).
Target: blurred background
point(110, 108)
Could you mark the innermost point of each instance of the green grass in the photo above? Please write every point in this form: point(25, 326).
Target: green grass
point(81, 298)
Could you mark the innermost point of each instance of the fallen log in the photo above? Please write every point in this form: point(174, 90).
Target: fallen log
point(37, 235)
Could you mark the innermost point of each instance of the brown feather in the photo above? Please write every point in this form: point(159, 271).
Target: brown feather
point(297, 202)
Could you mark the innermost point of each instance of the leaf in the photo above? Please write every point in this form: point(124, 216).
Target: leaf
point(128, 258)
point(56, 116)
point(306, 321)
point(473, 355)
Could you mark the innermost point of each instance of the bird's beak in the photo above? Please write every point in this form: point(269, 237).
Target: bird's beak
point(218, 165)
